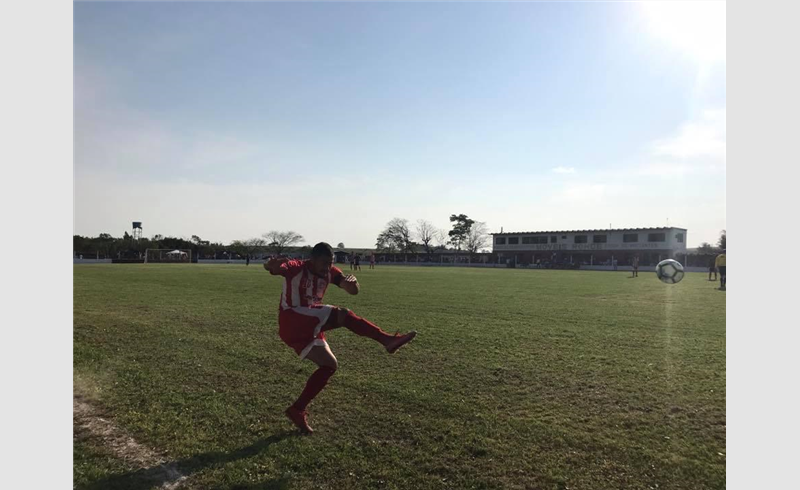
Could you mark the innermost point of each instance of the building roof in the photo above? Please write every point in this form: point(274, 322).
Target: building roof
point(605, 230)
point(352, 250)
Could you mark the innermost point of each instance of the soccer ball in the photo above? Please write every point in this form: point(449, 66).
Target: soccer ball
point(669, 271)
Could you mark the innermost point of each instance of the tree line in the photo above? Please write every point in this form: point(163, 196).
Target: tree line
point(466, 235)
point(707, 248)
point(398, 236)
point(107, 246)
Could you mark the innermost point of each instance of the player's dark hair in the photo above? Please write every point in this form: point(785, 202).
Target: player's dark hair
point(321, 249)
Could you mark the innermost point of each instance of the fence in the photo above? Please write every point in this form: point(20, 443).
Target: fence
point(76, 260)
point(624, 268)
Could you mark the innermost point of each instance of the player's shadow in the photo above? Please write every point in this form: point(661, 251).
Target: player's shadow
point(169, 473)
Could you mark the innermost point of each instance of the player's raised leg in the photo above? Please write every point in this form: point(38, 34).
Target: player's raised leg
point(322, 356)
point(360, 326)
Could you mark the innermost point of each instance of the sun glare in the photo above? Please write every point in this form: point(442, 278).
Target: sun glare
point(696, 27)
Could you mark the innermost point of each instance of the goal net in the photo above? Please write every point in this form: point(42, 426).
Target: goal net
point(167, 255)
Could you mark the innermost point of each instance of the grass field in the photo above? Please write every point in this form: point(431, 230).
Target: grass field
point(531, 379)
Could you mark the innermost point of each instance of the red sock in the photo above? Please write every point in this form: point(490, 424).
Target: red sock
point(365, 328)
point(316, 382)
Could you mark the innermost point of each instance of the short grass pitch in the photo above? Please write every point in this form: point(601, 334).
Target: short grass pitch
point(518, 379)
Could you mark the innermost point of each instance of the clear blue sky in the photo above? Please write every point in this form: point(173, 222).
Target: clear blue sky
point(230, 120)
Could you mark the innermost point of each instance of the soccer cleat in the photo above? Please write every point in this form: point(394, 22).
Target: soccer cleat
point(400, 341)
point(300, 419)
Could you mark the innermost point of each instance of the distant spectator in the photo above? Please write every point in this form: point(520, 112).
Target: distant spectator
point(712, 268)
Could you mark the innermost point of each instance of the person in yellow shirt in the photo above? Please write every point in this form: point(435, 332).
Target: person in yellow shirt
point(720, 263)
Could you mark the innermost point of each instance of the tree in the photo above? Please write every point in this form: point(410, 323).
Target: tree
point(212, 249)
point(198, 241)
point(106, 244)
point(238, 246)
point(176, 243)
point(441, 238)
point(461, 226)
point(198, 245)
point(477, 237)
point(340, 245)
point(384, 243)
point(398, 228)
point(249, 246)
point(426, 233)
point(721, 241)
point(705, 248)
point(282, 241)
point(84, 245)
point(396, 237)
point(253, 245)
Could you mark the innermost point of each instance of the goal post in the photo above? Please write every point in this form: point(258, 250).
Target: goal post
point(168, 255)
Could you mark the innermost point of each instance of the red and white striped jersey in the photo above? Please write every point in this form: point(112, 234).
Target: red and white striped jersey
point(302, 287)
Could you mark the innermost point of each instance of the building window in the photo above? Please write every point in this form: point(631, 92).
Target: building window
point(563, 237)
point(679, 237)
point(657, 237)
point(630, 237)
point(553, 239)
point(513, 240)
point(534, 240)
point(581, 239)
point(501, 240)
point(600, 239)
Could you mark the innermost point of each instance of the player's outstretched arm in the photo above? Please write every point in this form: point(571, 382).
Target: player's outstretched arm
point(350, 284)
point(273, 265)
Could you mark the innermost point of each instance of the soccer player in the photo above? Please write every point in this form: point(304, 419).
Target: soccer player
point(358, 262)
point(719, 263)
point(303, 320)
point(635, 264)
point(372, 260)
point(712, 268)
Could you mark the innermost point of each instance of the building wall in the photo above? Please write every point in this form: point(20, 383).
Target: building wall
point(565, 242)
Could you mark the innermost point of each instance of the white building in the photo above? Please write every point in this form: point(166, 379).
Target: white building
point(590, 247)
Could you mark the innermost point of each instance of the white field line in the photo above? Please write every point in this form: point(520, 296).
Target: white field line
point(125, 447)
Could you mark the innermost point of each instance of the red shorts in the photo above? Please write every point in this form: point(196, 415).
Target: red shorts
point(301, 327)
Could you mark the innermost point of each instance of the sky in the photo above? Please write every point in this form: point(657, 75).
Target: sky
point(329, 119)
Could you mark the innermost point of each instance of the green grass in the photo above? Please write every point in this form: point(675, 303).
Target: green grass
point(518, 379)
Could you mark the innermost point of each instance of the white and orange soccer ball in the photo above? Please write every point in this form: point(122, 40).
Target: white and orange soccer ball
point(669, 271)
